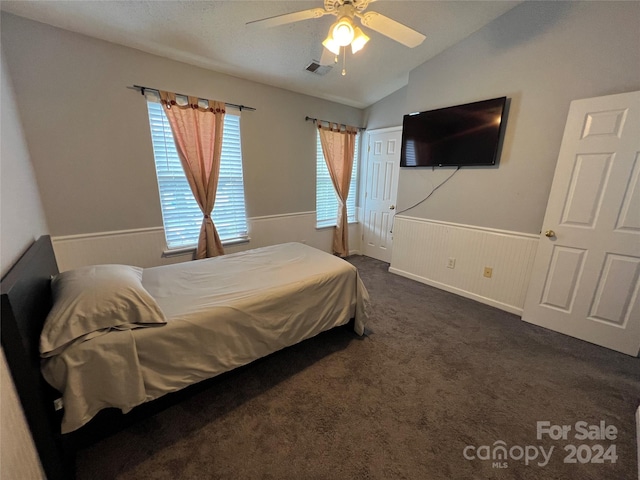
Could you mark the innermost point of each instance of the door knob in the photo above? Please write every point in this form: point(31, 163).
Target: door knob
point(549, 233)
point(392, 207)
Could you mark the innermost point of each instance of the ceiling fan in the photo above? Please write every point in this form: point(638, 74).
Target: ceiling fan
point(344, 32)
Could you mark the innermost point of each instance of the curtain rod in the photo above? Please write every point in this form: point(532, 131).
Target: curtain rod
point(315, 120)
point(141, 89)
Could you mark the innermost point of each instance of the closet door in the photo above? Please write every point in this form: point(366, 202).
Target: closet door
point(381, 189)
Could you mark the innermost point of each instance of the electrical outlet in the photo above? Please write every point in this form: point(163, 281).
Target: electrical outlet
point(488, 271)
point(451, 263)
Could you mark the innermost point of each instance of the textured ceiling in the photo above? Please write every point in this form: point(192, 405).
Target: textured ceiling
point(214, 35)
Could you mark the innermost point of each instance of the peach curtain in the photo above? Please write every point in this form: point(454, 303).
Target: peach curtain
point(338, 147)
point(197, 132)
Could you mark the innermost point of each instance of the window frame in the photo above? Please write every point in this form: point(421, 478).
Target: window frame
point(322, 172)
point(164, 153)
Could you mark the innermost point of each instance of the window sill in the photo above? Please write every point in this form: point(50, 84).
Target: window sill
point(333, 225)
point(175, 252)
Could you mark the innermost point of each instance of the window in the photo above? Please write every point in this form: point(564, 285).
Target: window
point(180, 212)
point(326, 198)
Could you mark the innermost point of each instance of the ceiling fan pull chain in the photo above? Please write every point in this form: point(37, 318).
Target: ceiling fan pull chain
point(344, 61)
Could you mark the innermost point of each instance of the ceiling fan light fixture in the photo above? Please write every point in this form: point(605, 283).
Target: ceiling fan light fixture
point(343, 31)
point(360, 39)
point(331, 45)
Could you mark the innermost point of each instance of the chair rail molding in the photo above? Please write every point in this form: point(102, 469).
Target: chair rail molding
point(146, 247)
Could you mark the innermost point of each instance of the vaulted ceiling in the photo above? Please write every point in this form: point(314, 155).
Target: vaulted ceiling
point(214, 35)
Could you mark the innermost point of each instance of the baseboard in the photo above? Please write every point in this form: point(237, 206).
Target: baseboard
point(458, 291)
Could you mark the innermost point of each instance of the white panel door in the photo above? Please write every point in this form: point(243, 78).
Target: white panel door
point(586, 276)
point(381, 189)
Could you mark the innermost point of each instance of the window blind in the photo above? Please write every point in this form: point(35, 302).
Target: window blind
point(326, 198)
point(181, 215)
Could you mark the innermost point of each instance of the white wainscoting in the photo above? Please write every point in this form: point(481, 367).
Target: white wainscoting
point(144, 247)
point(422, 249)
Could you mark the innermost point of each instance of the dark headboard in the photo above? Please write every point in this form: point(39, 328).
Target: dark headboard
point(26, 301)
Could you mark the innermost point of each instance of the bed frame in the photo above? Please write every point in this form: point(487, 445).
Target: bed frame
point(26, 301)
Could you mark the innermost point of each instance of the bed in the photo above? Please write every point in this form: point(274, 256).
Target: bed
point(200, 319)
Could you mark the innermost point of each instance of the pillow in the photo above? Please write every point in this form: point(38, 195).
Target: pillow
point(96, 298)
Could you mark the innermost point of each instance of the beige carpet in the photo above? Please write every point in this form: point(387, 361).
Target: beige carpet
point(436, 376)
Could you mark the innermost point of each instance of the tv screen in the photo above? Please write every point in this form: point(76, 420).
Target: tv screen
point(463, 135)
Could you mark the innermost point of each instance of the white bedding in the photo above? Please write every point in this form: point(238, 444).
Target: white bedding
point(221, 313)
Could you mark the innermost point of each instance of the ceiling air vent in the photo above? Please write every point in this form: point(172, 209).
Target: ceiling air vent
point(315, 67)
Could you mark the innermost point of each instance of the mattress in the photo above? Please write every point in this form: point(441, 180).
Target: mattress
point(221, 313)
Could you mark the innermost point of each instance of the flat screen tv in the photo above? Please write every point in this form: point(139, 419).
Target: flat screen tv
point(464, 135)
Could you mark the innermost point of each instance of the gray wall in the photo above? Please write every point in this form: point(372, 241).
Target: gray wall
point(89, 139)
point(21, 210)
point(541, 55)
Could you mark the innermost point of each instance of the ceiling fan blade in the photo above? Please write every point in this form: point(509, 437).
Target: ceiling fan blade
point(361, 5)
point(288, 18)
point(392, 29)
